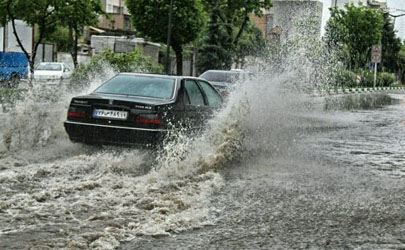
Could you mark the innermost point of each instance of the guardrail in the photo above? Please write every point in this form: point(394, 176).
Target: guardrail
point(354, 90)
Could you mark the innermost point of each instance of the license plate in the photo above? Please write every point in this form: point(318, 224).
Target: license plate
point(110, 114)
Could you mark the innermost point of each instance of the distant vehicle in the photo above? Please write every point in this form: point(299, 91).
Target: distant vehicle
point(52, 72)
point(140, 109)
point(223, 80)
point(13, 67)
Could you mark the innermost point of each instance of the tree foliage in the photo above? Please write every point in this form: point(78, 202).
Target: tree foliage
point(229, 19)
point(251, 43)
point(213, 53)
point(76, 14)
point(150, 18)
point(401, 65)
point(391, 45)
point(353, 31)
point(59, 36)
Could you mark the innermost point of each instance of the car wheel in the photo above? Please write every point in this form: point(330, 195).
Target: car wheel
point(14, 81)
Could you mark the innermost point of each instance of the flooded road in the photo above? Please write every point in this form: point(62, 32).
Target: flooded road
point(273, 176)
point(339, 187)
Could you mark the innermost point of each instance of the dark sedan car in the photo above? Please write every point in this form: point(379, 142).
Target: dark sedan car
point(140, 109)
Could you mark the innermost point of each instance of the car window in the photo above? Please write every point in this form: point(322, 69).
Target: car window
point(49, 66)
point(134, 85)
point(194, 93)
point(214, 99)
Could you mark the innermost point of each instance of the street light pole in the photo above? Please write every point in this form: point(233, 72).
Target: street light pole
point(169, 33)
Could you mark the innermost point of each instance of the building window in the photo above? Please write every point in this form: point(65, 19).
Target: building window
point(109, 8)
point(116, 9)
point(127, 23)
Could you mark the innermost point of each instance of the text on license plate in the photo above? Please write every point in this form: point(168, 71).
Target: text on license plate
point(112, 114)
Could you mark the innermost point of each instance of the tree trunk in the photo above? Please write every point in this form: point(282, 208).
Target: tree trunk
point(75, 48)
point(71, 41)
point(178, 50)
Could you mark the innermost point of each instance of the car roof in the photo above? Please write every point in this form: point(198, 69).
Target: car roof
point(51, 63)
point(161, 75)
point(227, 71)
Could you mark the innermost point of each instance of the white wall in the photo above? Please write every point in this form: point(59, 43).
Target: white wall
point(25, 34)
point(1, 38)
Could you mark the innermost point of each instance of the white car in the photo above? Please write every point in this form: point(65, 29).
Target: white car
point(52, 72)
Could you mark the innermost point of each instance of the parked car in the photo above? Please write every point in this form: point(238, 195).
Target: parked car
point(223, 80)
point(140, 109)
point(13, 67)
point(52, 72)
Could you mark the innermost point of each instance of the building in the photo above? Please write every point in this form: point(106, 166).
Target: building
point(119, 17)
point(283, 21)
point(124, 44)
point(371, 3)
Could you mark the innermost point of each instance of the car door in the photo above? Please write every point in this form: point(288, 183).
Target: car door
point(195, 103)
point(214, 99)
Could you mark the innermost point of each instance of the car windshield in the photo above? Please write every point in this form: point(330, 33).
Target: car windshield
point(218, 76)
point(134, 85)
point(49, 66)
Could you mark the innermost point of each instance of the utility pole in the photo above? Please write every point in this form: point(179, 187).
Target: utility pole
point(169, 34)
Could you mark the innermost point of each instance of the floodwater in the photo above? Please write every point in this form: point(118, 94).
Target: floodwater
point(272, 171)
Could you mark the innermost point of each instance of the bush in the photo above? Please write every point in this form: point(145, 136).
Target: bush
point(367, 77)
point(385, 79)
point(118, 62)
point(345, 78)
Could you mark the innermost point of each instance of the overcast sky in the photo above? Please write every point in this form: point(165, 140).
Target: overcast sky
point(396, 4)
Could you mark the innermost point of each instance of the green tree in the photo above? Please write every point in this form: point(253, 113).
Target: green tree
point(43, 14)
point(234, 17)
point(251, 43)
point(150, 18)
point(212, 53)
point(401, 65)
point(59, 36)
point(391, 45)
point(353, 31)
point(76, 14)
